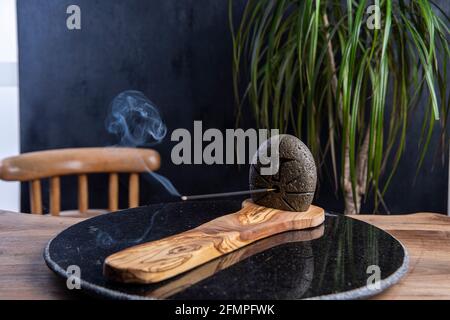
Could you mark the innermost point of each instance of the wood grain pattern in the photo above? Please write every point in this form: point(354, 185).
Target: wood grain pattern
point(162, 259)
point(35, 197)
point(83, 193)
point(53, 164)
point(426, 236)
point(113, 197)
point(208, 269)
point(23, 273)
point(55, 196)
point(133, 191)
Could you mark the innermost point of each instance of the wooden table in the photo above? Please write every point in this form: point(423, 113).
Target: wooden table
point(24, 275)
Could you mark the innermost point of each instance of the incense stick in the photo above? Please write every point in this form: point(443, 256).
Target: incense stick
point(224, 194)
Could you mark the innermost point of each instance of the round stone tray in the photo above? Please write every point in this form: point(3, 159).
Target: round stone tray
point(338, 260)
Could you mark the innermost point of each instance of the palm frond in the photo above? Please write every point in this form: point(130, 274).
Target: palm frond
point(315, 69)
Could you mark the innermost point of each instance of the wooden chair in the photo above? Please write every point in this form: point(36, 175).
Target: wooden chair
point(53, 164)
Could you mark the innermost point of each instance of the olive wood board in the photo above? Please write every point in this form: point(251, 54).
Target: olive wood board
point(165, 258)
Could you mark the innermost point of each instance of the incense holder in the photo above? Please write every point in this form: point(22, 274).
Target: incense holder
point(295, 180)
point(326, 262)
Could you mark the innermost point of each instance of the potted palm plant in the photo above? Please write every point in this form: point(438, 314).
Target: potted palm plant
point(344, 76)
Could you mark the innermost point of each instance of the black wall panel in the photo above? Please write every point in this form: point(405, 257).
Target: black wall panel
point(178, 53)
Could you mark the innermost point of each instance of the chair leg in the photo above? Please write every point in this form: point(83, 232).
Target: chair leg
point(55, 196)
point(133, 195)
point(36, 197)
point(113, 199)
point(83, 193)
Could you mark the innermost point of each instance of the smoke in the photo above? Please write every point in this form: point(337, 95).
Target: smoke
point(135, 120)
point(166, 183)
point(138, 123)
point(105, 240)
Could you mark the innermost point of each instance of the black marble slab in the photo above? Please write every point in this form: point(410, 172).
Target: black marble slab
point(331, 261)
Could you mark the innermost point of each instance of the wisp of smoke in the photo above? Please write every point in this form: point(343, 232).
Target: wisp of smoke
point(137, 122)
point(166, 183)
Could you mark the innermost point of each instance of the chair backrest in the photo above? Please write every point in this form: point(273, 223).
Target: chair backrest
point(53, 164)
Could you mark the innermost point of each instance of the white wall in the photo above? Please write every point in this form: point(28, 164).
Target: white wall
point(9, 99)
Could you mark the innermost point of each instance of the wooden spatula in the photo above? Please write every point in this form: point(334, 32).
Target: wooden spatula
point(162, 259)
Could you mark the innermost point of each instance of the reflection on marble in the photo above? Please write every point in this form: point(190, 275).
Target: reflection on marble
point(330, 261)
point(190, 278)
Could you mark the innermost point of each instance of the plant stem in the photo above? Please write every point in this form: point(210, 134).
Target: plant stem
point(347, 184)
point(361, 165)
point(361, 172)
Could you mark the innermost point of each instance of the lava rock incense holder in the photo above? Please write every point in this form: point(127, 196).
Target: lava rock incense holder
point(295, 180)
point(287, 207)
